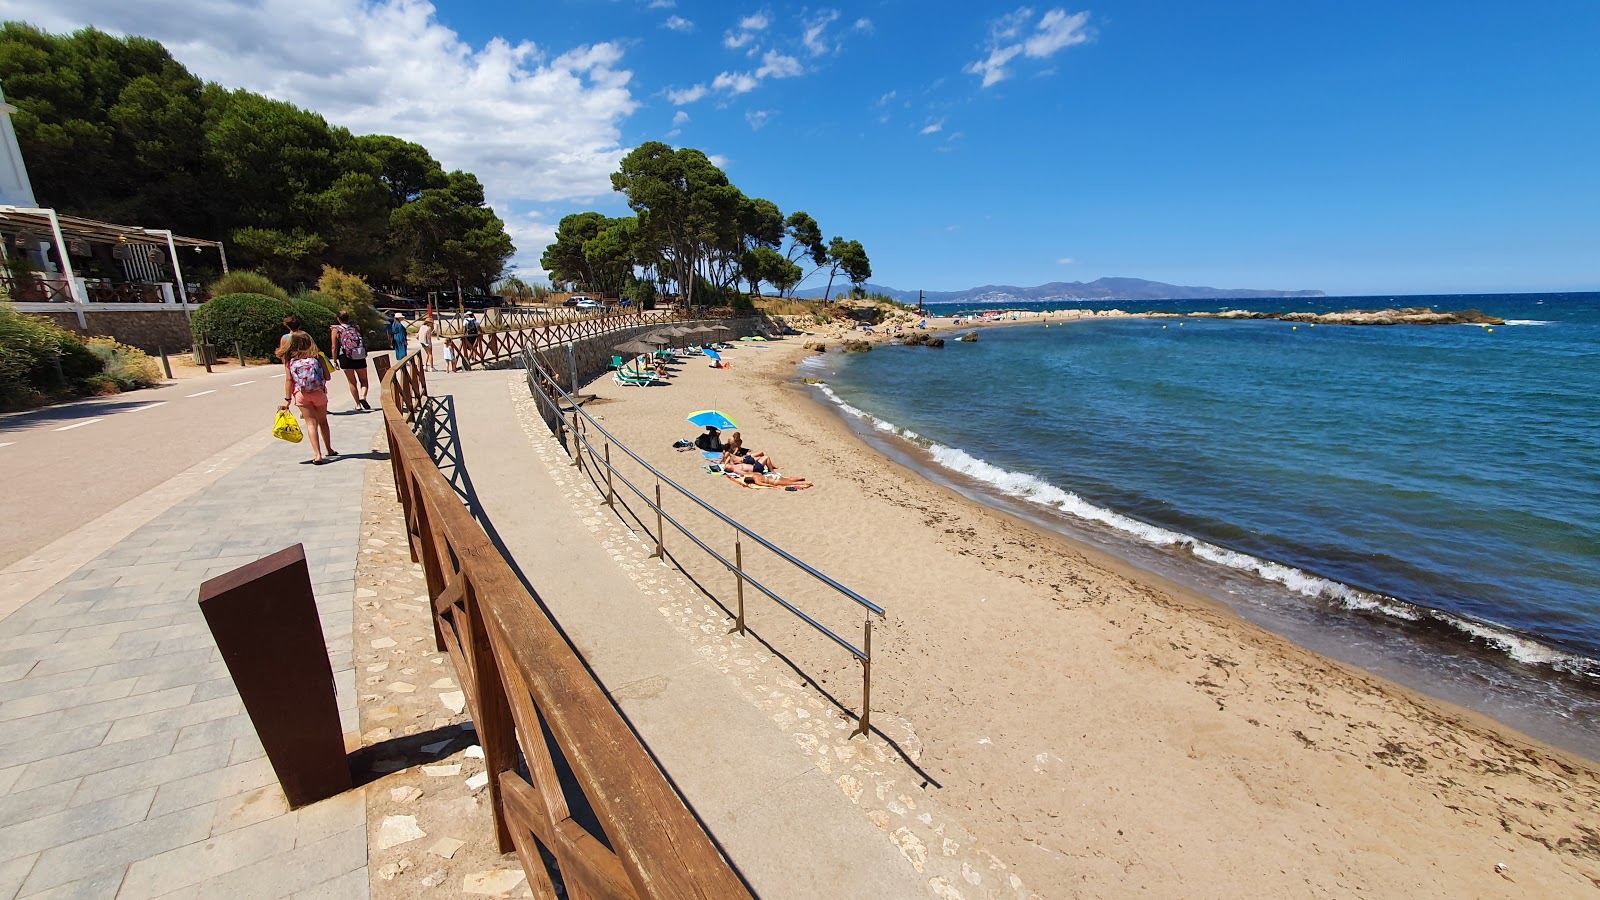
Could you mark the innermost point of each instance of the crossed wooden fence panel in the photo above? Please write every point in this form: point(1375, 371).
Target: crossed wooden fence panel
point(535, 705)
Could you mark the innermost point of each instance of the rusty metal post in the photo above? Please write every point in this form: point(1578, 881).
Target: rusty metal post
point(263, 616)
point(661, 536)
point(611, 496)
point(738, 574)
point(866, 685)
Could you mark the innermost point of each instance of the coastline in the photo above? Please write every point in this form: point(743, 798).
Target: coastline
point(1097, 725)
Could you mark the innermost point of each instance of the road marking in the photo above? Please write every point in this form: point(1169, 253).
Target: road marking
point(7, 443)
point(201, 394)
point(147, 406)
point(76, 425)
point(243, 383)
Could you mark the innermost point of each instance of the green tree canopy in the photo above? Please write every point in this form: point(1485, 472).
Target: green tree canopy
point(116, 129)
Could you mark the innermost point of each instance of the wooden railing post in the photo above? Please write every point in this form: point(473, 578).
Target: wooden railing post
point(497, 733)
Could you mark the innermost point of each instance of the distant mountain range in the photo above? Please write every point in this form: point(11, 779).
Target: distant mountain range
point(1099, 289)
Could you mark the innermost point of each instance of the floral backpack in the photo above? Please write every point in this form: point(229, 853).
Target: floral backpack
point(351, 346)
point(308, 374)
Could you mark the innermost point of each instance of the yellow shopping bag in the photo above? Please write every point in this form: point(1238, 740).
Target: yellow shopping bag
point(285, 428)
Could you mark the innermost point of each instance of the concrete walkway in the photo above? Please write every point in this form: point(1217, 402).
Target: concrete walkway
point(783, 821)
point(127, 765)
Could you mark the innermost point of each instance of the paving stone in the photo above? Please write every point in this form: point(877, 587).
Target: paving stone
point(105, 757)
point(51, 701)
point(73, 824)
point(215, 731)
point(349, 886)
point(13, 872)
point(171, 719)
point(288, 873)
point(28, 743)
point(102, 886)
point(133, 668)
point(21, 806)
point(205, 787)
point(44, 684)
point(116, 850)
point(182, 866)
point(150, 773)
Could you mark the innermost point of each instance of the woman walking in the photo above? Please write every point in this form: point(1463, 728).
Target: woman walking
point(425, 341)
point(305, 384)
point(397, 335)
point(350, 351)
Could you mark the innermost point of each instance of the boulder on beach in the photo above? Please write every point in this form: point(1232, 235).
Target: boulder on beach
point(915, 338)
point(970, 337)
point(935, 343)
point(817, 346)
point(856, 346)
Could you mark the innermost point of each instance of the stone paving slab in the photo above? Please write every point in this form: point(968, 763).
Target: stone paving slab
point(128, 767)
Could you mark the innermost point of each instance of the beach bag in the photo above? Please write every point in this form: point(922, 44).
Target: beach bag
point(308, 374)
point(285, 428)
point(351, 346)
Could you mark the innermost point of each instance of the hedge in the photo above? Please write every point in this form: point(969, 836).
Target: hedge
point(253, 321)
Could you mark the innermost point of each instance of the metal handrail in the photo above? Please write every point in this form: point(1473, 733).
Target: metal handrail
point(554, 393)
point(802, 564)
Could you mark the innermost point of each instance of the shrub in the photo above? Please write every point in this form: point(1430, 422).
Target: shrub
point(253, 321)
point(354, 296)
point(317, 320)
point(30, 348)
point(244, 281)
point(129, 367)
point(101, 385)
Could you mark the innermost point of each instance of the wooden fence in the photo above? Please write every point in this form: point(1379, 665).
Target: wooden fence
point(537, 709)
point(508, 343)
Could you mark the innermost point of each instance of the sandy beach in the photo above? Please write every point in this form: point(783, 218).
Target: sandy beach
point(1100, 731)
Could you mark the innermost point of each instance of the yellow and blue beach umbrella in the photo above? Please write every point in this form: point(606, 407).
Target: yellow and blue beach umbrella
point(710, 418)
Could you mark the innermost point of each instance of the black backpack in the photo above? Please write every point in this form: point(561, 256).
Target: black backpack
point(471, 329)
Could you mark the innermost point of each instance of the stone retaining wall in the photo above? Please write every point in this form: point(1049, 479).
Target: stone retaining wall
point(150, 327)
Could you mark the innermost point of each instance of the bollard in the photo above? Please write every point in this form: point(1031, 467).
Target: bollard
point(263, 616)
point(866, 684)
point(166, 364)
point(238, 352)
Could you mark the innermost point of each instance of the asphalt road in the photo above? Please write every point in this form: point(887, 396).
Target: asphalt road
point(67, 465)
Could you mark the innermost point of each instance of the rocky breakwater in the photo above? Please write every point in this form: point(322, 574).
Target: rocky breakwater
point(1414, 315)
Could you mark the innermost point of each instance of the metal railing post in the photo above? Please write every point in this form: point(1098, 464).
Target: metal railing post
point(866, 685)
point(577, 443)
point(611, 495)
point(738, 574)
point(661, 535)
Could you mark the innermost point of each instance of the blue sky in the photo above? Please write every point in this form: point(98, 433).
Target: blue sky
point(1355, 147)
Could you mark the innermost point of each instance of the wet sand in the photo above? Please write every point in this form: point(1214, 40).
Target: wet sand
point(1101, 731)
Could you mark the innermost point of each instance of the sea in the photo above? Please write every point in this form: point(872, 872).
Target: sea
point(1419, 501)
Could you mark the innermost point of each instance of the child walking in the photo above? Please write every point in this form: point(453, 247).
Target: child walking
point(305, 383)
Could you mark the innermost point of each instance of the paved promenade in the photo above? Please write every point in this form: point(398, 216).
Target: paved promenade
point(128, 767)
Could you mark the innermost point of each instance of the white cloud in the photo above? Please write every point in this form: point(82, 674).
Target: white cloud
point(932, 127)
point(815, 36)
point(757, 118)
point(718, 160)
point(777, 65)
point(391, 67)
point(679, 118)
point(662, 4)
point(1055, 31)
point(685, 96)
point(1065, 261)
point(863, 24)
point(678, 23)
point(746, 31)
point(886, 98)
point(735, 82)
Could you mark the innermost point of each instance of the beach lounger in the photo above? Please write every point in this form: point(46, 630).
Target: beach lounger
point(632, 380)
point(616, 362)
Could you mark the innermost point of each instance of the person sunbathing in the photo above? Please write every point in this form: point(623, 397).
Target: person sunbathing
point(773, 480)
point(751, 464)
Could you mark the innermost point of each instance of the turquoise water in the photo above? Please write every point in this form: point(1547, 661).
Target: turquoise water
point(1425, 499)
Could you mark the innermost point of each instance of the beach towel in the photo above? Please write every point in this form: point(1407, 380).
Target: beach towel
point(710, 454)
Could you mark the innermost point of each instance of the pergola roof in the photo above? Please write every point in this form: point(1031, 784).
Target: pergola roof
point(18, 218)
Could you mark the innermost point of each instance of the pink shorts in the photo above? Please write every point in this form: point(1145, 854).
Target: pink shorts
point(315, 400)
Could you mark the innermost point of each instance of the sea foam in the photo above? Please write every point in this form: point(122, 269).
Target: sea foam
point(1033, 489)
